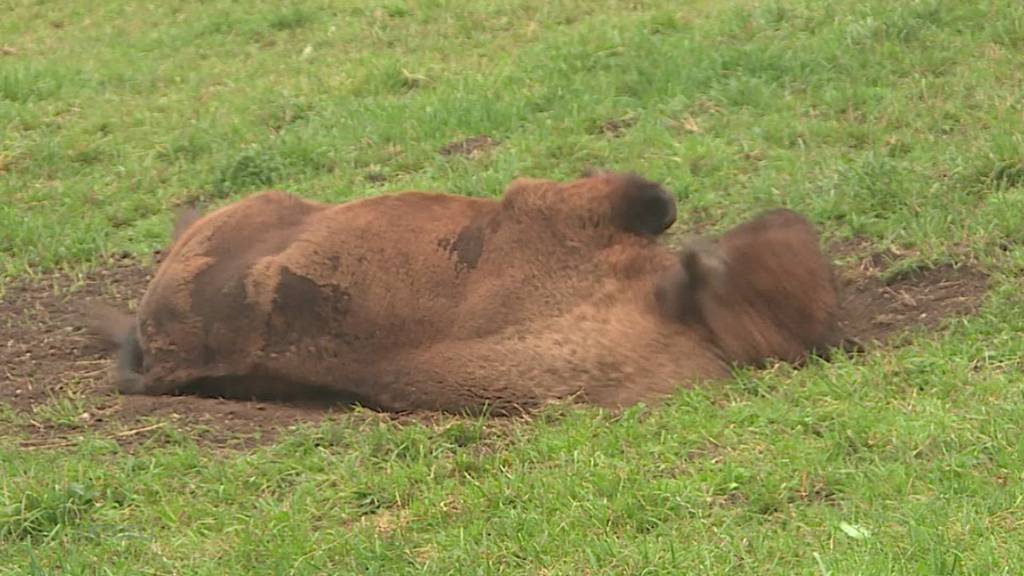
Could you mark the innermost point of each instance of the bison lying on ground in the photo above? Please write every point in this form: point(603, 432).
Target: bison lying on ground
point(441, 302)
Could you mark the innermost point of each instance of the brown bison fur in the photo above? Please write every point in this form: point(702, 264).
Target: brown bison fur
point(432, 301)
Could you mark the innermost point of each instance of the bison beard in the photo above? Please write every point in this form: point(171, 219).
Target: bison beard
point(433, 301)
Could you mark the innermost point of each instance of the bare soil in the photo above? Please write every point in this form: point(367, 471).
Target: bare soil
point(47, 358)
point(880, 307)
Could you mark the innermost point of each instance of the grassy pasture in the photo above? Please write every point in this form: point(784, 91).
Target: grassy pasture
point(896, 122)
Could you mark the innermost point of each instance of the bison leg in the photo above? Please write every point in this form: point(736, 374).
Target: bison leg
point(626, 202)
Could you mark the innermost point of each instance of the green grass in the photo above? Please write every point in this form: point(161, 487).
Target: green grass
point(898, 121)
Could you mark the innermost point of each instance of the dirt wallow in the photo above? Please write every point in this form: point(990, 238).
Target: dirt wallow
point(45, 355)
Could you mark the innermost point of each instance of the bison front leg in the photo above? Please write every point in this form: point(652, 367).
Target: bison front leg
point(606, 203)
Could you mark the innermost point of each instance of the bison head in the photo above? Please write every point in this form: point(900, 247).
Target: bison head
point(762, 290)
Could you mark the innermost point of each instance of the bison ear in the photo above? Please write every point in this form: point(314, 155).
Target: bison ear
point(643, 207)
point(680, 292)
point(703, 262)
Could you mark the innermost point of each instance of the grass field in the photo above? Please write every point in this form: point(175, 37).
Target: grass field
point(897, 122)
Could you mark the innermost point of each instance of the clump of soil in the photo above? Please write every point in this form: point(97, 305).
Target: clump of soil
point(44, 354)
point(470, 147)
point(617, 126)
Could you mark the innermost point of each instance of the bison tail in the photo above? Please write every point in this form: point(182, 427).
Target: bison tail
point(185, 217)
point(117, 330)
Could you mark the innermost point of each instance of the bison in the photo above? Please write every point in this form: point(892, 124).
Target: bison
point(433, 301)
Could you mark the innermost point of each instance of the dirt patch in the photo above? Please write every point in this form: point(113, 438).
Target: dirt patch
point(879, 304)
point(875, 310)
point(53, 376)
point(617, 126)
point(470, 147)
